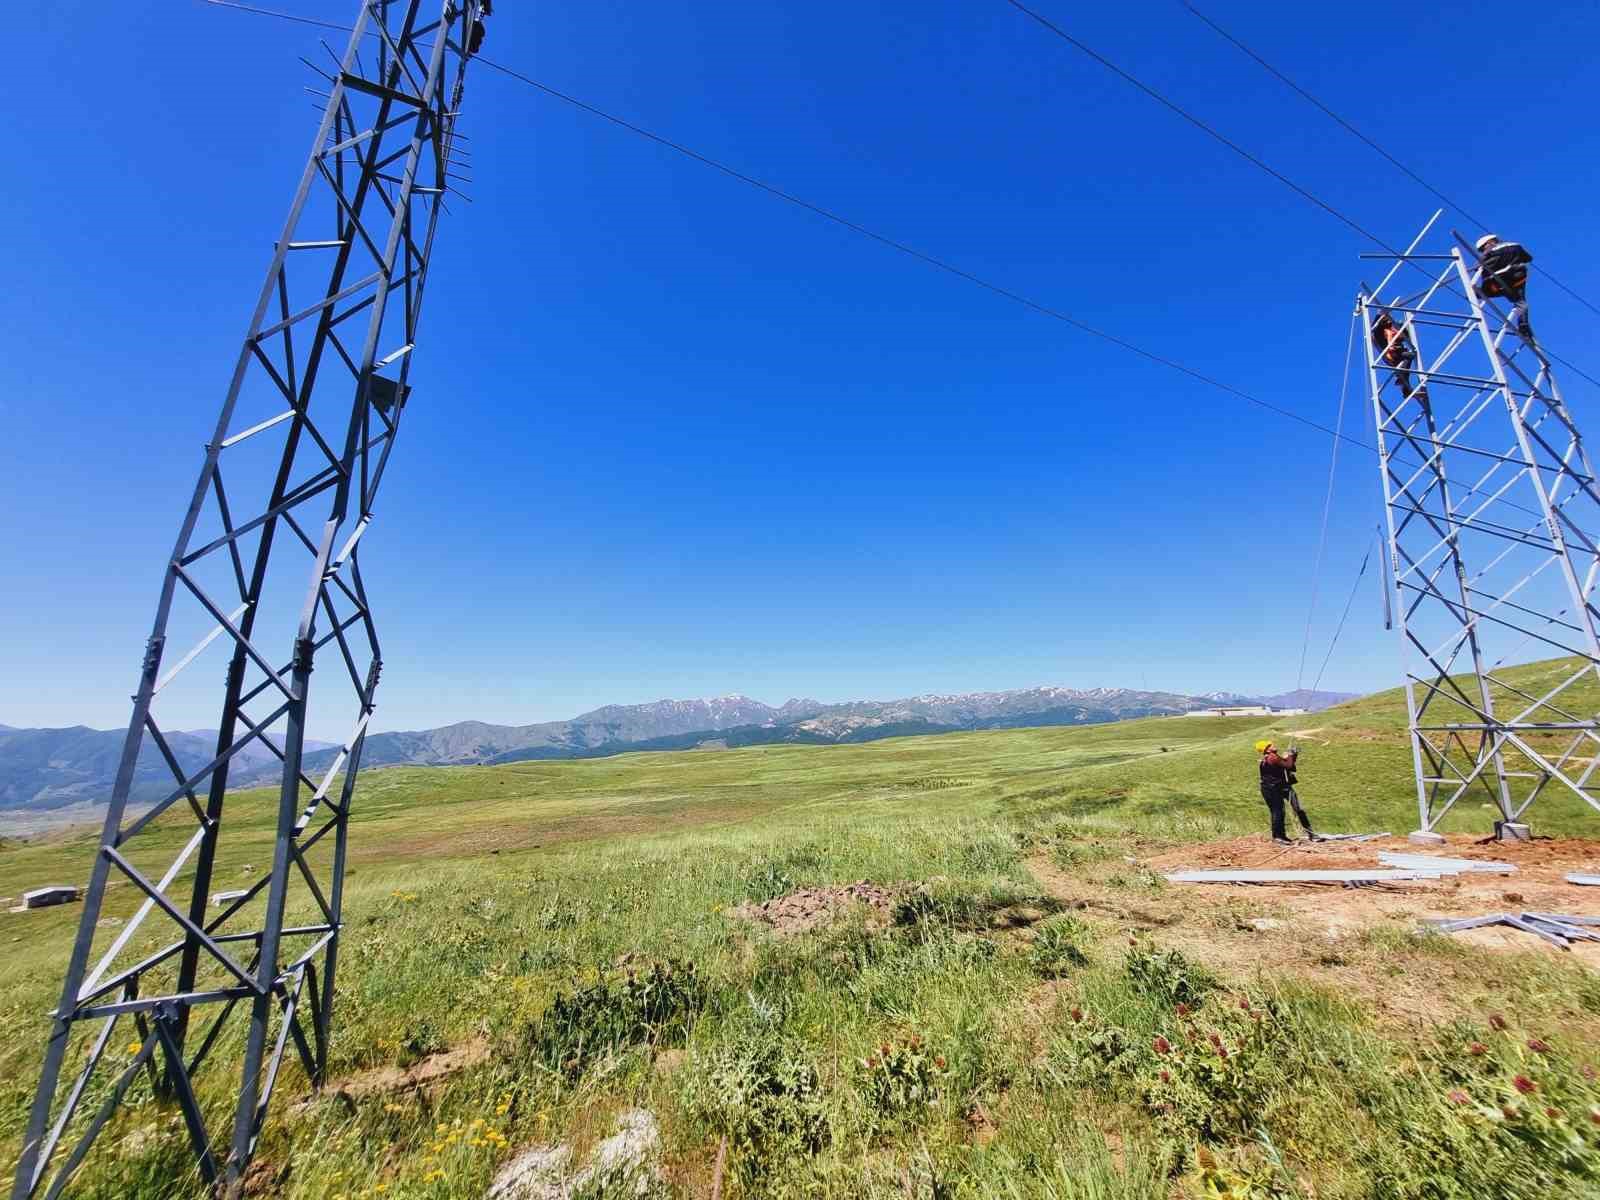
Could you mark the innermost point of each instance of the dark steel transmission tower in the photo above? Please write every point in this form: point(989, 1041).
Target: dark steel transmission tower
point(307, 426)
point(1493, 513)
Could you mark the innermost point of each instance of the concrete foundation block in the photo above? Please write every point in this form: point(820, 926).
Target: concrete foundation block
point(1425, 837)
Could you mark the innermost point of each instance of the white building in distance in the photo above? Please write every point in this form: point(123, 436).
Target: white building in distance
point(1245, 710)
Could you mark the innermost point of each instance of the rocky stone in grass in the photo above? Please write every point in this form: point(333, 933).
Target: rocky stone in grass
point(625, 1164)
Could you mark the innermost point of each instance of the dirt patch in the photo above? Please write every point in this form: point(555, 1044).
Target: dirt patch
point(807, 908)
point(1538, 885)
point(1340, 937)
point(1539, 859)
point(378, 1081)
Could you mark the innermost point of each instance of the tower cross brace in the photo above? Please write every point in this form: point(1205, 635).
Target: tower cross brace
point(1492, 511)
point(265, 574)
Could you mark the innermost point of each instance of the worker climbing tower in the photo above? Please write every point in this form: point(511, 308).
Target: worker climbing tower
point(1493, 518)
point(211, 922)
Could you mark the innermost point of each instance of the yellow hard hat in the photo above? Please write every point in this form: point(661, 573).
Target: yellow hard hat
point(1261, 747)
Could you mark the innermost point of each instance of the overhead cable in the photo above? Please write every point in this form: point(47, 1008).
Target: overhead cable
point(1327, 504)
point(1211, 131)
point(1356, 133)
point(1345, 616)
point(882, 239)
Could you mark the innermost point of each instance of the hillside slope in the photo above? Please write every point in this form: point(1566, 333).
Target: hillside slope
point(1021, 968)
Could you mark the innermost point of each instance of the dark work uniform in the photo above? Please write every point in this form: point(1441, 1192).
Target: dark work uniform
point(1277, 788)
point(1505, 273)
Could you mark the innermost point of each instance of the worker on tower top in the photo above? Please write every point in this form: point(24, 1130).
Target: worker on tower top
point(1277, 787)
point(1504, 272)
point(1391, 340)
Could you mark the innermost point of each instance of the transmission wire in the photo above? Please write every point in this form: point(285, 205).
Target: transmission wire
point(1327, 504)
point(1345, 616)
point(882, 239)
point(1211, 131)
point(1351, 129)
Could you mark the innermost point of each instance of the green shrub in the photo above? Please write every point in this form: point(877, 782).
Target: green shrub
point(1494, 1113)
point(901, 1078)
point(658, 1007)
point(965, 906)
point(1059, 944)
point(781, 873)
point(1166, 974)
point(1071, 854)
point(1091, 1052)
point(764, 1094)
point(1211, 1083)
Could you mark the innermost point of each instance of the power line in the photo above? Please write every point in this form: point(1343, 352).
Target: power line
point(1261, 165)
point(1326, 658)
point(1356, 133)
point(1327, 503)
point(1199, 124)
point(882, 239)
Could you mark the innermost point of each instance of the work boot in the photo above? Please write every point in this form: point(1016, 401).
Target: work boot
point(1282, 841)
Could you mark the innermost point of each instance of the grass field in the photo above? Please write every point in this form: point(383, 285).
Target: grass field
point(567, 930)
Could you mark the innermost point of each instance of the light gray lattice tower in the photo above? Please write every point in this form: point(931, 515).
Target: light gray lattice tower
point(308, 422)
point(1493, 519)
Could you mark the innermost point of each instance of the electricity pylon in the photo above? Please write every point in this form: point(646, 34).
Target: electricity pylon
point(1493, 518)
point(307, 426)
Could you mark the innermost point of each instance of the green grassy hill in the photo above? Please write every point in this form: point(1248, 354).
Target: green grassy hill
point(502, 908)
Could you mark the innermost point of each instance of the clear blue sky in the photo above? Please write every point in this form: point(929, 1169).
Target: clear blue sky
point(671, 437)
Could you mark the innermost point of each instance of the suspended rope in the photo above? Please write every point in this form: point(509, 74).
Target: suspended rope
point(1327, 504)
point(1345, 616)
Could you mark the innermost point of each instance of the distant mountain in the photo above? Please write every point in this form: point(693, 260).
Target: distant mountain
point(72, 769)
point(58, 768)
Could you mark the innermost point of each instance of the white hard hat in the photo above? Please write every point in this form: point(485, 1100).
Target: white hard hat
point(1486, 241)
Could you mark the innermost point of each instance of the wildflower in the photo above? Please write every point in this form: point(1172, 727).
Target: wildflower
point(1508, 1112)
point(1166, 1076)
point(1244, 1003)
point(1458, 1096)
point(884, 1049)
point(1133, 942)
point(1222, 1051)
point(1525, 1085)
point(1183, 1009)
point(1477, 1049)
point(1162, 1046)
point(1538, 1046)
point(1551, 1113)
point(1587, 1072)
point(938, 1061)
point(134, 1048)
point(1215, 1039)
point(1077, 1015)
point(1496, 1021)
point(1594, 1115)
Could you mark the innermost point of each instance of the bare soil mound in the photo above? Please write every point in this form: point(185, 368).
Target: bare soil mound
point(806, 908)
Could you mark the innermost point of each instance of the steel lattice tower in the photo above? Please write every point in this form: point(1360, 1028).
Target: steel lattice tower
point(1493, 520)
point(305, 433)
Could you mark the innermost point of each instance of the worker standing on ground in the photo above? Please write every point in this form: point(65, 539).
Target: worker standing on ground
point(1277, 788)
point(1505, 273)
point(1391, 340)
